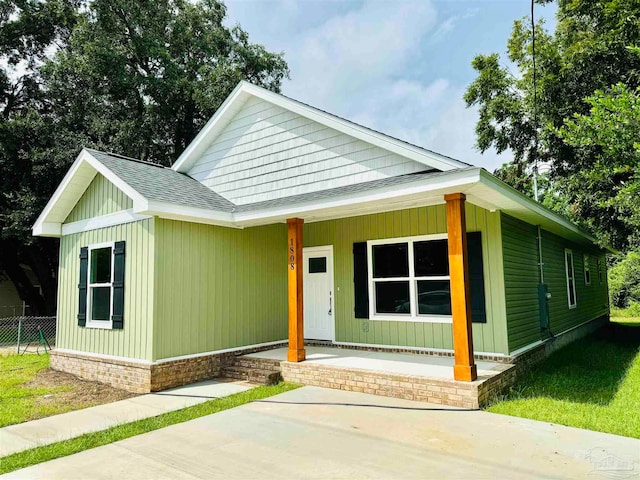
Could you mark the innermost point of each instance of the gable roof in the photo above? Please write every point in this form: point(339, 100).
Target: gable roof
point(153, 189)
point(244, 90)
point(170, 193)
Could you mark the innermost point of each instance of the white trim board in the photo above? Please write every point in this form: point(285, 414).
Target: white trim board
point(109, 220)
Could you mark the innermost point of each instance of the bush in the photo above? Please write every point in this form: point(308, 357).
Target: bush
point(633, 310)
point(624, 280)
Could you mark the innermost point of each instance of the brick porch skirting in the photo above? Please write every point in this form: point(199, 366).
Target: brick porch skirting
point(143, 377)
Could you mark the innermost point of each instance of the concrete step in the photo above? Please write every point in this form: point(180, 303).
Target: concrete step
point(253, 375)
point(259, 363)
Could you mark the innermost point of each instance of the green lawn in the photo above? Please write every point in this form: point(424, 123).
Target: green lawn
point(19, 400)
point(593, 383)
point(120, 432)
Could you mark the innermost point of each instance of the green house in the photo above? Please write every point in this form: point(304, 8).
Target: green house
point(282, 224)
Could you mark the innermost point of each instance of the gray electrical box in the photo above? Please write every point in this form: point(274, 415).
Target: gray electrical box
point(543, 304)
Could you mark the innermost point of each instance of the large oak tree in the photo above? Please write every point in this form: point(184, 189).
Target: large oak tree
point(136, 78)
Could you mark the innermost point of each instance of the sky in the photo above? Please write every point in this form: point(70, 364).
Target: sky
point(397, 66)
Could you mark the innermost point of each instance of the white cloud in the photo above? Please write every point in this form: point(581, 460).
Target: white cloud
point(371, 63)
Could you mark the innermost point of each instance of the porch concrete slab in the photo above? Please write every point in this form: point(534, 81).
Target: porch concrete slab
point(314, 432)
point(44, 431)
point(400, 363)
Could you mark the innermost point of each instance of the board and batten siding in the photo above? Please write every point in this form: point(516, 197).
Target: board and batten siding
point(135, 339)
point(522, 275)
point(100, 198)
point(267, 152)
point(217, 287)
point(490, 337)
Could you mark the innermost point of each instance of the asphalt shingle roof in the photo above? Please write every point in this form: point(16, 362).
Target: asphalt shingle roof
point(162, 184)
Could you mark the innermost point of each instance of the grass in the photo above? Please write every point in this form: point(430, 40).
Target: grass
point(18, 400)
point(30, 390)
point(120, 432)
point(593, 383)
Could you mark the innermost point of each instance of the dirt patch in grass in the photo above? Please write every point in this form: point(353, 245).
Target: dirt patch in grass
point(73, 392)
point(29, 390)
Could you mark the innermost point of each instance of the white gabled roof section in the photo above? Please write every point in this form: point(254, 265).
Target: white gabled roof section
point(245, 90)
point(73, 185)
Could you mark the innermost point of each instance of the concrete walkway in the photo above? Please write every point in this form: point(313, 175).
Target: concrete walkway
point(44, 431)
point(320, 433)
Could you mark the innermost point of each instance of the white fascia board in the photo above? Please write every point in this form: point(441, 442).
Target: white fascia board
point(53, 227)
point(47, 229)
point(188, 214)
point(441, 184)
point(195, 148)
point(113, 178)
point(515, 196)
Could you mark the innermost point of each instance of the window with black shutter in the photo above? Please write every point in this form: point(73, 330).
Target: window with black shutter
point(101, 286)
point(408, 279)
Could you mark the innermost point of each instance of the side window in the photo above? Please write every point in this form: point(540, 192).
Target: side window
point(587, 270)
point(571, 280)
point(101, 286)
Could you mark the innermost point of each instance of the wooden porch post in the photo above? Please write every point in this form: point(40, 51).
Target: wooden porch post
point(464, 367)
point(296, 351)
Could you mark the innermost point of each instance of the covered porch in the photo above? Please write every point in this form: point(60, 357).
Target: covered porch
point(409, 376)
point(461, 367)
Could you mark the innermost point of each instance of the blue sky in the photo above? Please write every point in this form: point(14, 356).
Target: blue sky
point(400, 67)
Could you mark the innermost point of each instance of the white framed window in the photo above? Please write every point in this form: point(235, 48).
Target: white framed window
point(587, 269)
point(571, 278)
point(100, 285)
point(409, 279)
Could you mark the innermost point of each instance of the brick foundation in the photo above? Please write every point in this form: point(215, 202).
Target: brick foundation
point(470, 395)
point(144, 377)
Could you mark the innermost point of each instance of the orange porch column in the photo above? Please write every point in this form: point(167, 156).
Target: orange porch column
point(464, 367)
point(296, 351)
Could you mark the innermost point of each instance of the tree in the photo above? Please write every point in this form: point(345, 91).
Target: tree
point(587, 51)
point(135, 78)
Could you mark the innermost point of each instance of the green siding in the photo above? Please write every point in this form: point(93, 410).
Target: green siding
point(218, 287)
point(522, 275)
point(100, 198)
point(135, 340)
point(342, 233)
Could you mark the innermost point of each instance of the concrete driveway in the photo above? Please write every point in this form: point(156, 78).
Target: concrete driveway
point(320, 433)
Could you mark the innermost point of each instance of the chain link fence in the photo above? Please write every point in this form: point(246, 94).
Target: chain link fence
point(31, 334)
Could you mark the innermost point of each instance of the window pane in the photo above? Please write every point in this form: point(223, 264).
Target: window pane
point(392, 297)
point(431, 258)
point(100, 303)
point(434, 297)
point(318, 265)
point(101, 265)
point(569, 265)
point(572, 293)
point(390, 260)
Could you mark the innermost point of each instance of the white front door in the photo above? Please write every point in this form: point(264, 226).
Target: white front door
point(319, 312)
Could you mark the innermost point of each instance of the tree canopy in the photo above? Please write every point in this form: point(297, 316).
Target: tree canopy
point(584, 69)
point(136, 78)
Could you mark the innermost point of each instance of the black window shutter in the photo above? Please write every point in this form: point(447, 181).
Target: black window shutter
point(360, 280)
point(82, 287)
point(476, 277)
point(118, 285)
